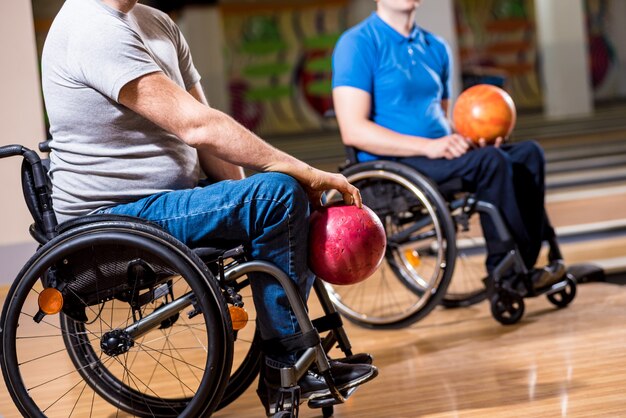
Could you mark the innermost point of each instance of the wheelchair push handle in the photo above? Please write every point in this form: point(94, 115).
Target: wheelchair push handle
point(28, 154)
point(12, 150)
point(39, 176)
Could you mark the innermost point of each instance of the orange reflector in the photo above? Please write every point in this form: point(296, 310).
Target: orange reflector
point(50, 301)
point(239, 317)
point(412, 257)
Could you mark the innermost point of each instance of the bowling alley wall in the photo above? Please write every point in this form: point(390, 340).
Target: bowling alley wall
point(274, 60)
point(278, 61)
point(498, 44)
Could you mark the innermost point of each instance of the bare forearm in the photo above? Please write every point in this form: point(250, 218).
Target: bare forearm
point(227, 140)
point(210, 131)
point(223, 138)
point(353, 109)
point(373, 138)
point(215, 168)
point(186, 115)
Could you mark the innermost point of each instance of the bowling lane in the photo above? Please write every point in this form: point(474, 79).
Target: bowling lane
point(587, 206)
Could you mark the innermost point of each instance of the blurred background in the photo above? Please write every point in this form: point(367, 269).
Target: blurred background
point(268, 64)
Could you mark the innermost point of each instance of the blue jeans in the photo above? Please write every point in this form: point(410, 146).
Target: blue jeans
point(267, 213)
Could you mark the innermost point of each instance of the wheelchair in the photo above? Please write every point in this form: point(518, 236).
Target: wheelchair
point(113, 315)
point(435, 253)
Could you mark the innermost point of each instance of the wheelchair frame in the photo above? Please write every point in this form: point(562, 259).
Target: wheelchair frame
point(507, 305)
point(112, 228)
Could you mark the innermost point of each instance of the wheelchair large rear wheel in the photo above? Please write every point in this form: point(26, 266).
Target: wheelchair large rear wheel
point(420, 254)
point(144, 329)
point(237, 292)
point(247, 355)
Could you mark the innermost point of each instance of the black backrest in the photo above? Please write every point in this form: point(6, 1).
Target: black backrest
point(30, 198)
point(37, 193)
point(351, 155)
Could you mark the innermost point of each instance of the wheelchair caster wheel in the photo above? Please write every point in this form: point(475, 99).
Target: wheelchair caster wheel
point(328, 411)
point(564, 297)
point(283, 414)
point(507, 307)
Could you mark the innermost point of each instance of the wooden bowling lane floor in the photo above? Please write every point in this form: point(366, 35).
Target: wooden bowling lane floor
point(462, 363)
point(587, 206)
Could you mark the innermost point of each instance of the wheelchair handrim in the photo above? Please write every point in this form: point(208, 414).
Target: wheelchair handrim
point(31, 274)
point(435, 281)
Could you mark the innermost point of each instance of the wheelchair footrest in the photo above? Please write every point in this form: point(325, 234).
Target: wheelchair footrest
point(329, 400)
point(288, 405)
point(556, 287)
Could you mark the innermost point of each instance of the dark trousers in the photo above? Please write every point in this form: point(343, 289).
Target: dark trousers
point(512, 178)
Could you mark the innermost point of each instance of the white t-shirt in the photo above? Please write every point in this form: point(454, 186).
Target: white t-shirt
point(104, 154)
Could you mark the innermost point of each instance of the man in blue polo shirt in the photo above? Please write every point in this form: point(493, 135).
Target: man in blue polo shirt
point(391, 89)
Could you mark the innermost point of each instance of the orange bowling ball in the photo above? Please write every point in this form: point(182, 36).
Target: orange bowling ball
point(484, 111)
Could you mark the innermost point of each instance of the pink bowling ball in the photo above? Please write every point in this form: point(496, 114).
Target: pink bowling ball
point(346, 243)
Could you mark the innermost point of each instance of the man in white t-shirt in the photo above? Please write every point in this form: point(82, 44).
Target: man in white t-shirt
point(131, 129)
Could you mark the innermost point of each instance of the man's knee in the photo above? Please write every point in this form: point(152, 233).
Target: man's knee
point(532, 152)
point(493, 160)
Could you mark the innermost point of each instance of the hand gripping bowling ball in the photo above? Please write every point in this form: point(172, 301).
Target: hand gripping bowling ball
point(484, 111)
point(346, 243)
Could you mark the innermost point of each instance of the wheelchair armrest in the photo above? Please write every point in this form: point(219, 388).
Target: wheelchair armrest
point(212, 253)
point(12, 150)
point(451, 187)
point(351, 155)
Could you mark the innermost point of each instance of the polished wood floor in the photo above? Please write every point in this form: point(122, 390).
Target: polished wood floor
point(461, 363)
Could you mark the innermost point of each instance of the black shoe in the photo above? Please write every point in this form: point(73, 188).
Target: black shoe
point(358, 358)
point(549, 275)
point(313, 385)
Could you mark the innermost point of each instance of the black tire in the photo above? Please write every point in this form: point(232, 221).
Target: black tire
point(245, 373)
point(84, 376)
point(467, 285)
point(564, 297)
point(507, 307)
point(247, 355)
point(417, 268)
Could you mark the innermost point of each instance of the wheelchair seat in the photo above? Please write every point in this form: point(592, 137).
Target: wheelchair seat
point(450, 188)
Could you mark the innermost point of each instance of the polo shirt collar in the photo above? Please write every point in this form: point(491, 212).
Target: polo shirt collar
point(416, 35)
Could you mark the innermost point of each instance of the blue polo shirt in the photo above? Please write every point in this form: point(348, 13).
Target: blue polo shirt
point(407, 77)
